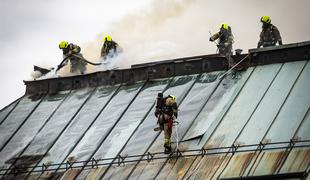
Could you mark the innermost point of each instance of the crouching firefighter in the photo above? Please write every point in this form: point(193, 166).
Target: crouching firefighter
point(72, 52)
point(166, 112)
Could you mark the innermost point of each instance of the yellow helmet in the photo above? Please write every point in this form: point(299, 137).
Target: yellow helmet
point(107, 38)
point(63, 44)
point(265, 19)
point(224, 26)
point(172, 97)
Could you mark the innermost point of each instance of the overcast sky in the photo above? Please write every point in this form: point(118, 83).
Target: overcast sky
point(30, 30)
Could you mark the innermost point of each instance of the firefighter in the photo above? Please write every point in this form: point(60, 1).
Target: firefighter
point(109, 47)
point(166, 112)
point(225, 41)
point(270, 34)
point(76, 63)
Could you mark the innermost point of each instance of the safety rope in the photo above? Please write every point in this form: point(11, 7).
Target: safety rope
point(228, 71)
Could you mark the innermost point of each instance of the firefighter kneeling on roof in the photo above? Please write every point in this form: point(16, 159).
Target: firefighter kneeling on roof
point(166, 112)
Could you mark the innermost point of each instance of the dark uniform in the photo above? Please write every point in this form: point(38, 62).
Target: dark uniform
point(109, 48)
point(269, 36)
point(226, 39)
point(76, 63)
point(166, 114)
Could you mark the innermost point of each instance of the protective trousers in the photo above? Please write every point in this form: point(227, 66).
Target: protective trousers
point(226, 51)
point(165, 122)
point(77, 64)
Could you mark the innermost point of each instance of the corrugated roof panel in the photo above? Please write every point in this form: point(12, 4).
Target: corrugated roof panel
point(31, 127)
point(262, 118)
point(16, 118)
point(105, 122)
point(286, 123)
point(6, 111)
point(79, 125)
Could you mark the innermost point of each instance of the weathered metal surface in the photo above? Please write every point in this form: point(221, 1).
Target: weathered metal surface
point(220, 90)
point(105, 122)
point(280, 54)
point(60, 84)
point(134, 115)
point(176, 170)
point(4, 113)
point(206, 167)
point(168, 68)
point(285, 125)
point(70, 174)
point(117, 172)
point(217, 105)
point(298, 160)
point(32, 126)
point(198, 96)
point(262, 118)
point(270, 105)
point(58, 122)
point(243, 106)
point(79, 125)
point(238, 164)
point(16, 119)
point(293, 111)
point(45, 138)
point(268, 163)
point(145, 136)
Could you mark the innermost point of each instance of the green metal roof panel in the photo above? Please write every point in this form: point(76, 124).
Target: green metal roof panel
point(264, 104)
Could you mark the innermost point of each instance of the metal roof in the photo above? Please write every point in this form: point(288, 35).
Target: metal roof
point(252, 124)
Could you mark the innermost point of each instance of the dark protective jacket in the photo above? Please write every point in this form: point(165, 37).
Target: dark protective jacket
point(72, 48)
point(108, 47)
point(76, 63)
point(269, 36)
point(226, 39)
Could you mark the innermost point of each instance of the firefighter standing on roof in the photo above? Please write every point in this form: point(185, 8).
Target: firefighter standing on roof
point(109, 47)
point(226, 39)
point(166, 112)
point(270, 34)
point(76, 63)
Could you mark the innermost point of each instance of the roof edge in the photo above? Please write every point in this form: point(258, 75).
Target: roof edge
point(169, 68)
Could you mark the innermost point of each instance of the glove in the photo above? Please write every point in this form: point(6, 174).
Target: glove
point(259, 44)
point(280, 42)
point(226, 44)
point(210, 39)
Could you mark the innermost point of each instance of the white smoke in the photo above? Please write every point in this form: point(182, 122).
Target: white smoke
point(178, 28)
